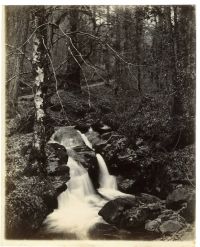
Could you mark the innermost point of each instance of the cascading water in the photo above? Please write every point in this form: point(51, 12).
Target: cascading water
point(79, 205)
point(105, 179)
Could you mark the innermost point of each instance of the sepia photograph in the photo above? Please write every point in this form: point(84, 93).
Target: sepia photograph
point(100, 122)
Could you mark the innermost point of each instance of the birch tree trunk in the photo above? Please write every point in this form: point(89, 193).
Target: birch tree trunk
point(40, 72)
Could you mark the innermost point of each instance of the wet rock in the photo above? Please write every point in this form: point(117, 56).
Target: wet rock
point(134, 217)
point(125, 185)
point(98, 146)
point(55, 150)
point(131, 212)
point(93, 137)
point(83, 128)
point(57, 168)
point(54, 170)
point(170, 226)
point(67, 136)
point(148, 199)
point(179, 196)
point(114, 147)
point(100, 127)
point(188, 209)
point(59, 185)
point(113, 210)
point(153, 225)
point(167, 222)
point(87, 158)
point(147, 169)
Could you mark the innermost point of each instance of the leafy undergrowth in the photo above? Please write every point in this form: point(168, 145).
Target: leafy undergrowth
point(161, 147)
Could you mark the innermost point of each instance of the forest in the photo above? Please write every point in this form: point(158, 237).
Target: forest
point(100, 122)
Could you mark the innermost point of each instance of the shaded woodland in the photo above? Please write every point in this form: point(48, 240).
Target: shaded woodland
point(129, 68)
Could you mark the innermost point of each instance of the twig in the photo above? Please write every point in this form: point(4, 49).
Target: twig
point(59, 66)
point(23, 73)
point(177, 140)
point(67, 35)
point(29, 38)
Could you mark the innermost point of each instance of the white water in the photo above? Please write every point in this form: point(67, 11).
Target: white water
point(79, 205)
point(85, 139)
point(105, 179)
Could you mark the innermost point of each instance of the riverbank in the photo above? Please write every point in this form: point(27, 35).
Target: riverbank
point(142, 147)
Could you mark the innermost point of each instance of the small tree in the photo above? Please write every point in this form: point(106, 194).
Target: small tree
point(40, 81)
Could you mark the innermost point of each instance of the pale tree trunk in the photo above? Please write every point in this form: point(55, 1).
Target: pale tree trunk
point(40, 72)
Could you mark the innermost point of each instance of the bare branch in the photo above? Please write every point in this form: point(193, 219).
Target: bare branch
point(59, 66)
point(23, 73)
point(91, 66)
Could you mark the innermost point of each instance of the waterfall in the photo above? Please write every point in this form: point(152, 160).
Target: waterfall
point(85, 139)
point(105, 179)
point(79, 205)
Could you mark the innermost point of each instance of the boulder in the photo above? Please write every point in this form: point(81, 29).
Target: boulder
point(55, 150)
point(83, 128)
point(183, 199)
point(167, 222)
point(149, 199)
point(170, 226)
point(58, 184)
point(113, 210)
point(135, 217)
point(57, 168)
point(131, 212)
point(125, 185)
point(179, 196)
point(153, 225)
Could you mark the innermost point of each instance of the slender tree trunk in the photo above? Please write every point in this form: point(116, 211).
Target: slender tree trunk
point(17, 23)
point(177, 101)
point(40, 74)
point(138, 46)
point(75, 74)
point(106, 51)
point(118, 46)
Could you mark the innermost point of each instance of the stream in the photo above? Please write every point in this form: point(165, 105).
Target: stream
point(79, 205)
